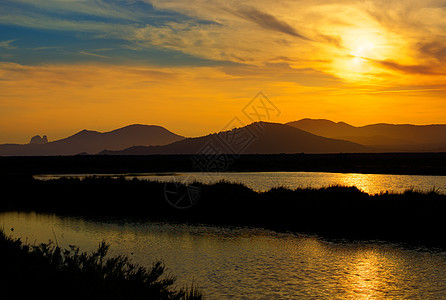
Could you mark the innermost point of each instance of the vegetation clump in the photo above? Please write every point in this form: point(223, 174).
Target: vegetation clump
point(48, 271)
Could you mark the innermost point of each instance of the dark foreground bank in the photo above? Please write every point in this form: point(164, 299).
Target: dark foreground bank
point(337, 212)
point(49, 272)
point(370, 163)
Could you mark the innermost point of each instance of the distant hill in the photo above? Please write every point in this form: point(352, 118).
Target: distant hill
point(385, 137)
point(261, 138)
point(92, 142)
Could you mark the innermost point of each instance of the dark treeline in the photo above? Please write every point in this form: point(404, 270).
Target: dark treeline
point(378, 163)
point(335, 212)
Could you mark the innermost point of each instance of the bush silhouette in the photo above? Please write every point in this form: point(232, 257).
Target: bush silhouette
point(49, 271)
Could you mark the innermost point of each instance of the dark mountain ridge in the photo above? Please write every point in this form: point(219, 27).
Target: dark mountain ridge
point(256, 138)
point(303, 136)
point(92, 142)
point(388, 137)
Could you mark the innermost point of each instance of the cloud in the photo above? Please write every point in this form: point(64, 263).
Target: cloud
point(267, 21)
point(93, 54)
point(7, 44)
point(435, 49)
point(37, 21)
point(333, 40)
point(98, 8)
point(410, 69)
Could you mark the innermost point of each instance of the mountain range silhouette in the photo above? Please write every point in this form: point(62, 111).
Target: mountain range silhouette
point(303, 136)
point(256, 138)
point(382, 137)
point(92, 142)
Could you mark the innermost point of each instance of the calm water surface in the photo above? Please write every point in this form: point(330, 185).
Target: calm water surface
point(263, 181)
point(246, 263)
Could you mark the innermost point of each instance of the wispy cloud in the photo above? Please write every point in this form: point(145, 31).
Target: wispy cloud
point(411, 69)
point(7, 44)
point(93, 54)
point(267, 21)
point(435, 49)
point(43, 48)
point(36, 21)
point(99, 8)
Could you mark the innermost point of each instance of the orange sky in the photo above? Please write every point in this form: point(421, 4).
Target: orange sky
point(191, 66)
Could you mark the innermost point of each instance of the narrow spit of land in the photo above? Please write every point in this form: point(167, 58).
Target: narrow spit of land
point(334, 212)
point(371, 163)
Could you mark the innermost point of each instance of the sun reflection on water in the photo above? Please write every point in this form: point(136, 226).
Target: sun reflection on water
point(365, 279)
point(364, 183)
point(258, 264)
point(263, 181)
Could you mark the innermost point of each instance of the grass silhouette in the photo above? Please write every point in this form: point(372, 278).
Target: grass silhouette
point(46, 270)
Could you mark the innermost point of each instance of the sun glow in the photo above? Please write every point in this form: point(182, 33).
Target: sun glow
point(362, 49)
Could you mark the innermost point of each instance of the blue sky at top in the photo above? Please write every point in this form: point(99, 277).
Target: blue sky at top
point(36, 32)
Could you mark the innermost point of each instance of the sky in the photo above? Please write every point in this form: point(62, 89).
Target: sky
point(193, 65)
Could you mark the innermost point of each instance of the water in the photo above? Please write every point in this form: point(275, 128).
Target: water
point(246, 263)
point(263, 181)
